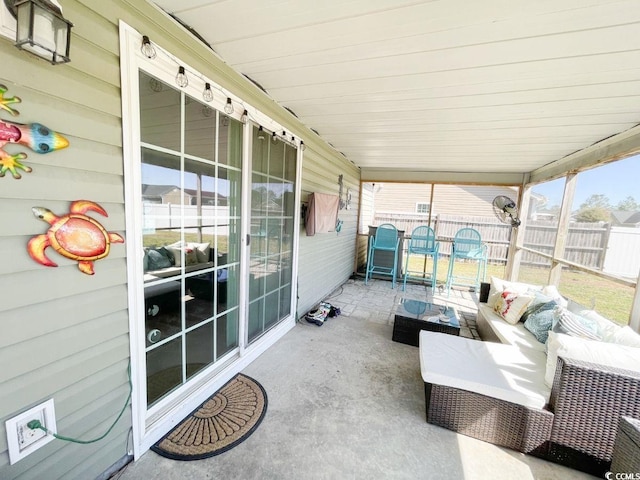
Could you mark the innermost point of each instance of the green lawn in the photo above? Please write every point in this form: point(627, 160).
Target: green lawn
point(609, 299)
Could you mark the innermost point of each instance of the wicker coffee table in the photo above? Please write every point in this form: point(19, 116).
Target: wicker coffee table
point(415, 315)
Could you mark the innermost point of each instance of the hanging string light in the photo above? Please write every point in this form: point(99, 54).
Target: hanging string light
point(260, 133)
point(181, 77)
point(151, 51)
point(155, 85)
point(147, 49)
point(303, 147)
point(228, 108)
point(207, 94)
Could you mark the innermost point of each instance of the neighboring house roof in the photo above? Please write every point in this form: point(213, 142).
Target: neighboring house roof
point(625, 217)
point(160, 191)
point(207, 195)
point(156, 190)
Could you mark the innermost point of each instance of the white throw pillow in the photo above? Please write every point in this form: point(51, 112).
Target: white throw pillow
point(498, 286)
point(606, 328)
point(552, 291)
point(593, 351)
point(511, 306)
point(626, 336)
point(186, 255)
point(202, 251)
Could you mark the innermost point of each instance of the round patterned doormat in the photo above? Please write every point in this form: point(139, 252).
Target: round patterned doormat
point(223, 421)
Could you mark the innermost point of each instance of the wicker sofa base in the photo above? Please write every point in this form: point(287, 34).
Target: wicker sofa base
point(526, 430)
point(572, 458)
point(626, 454)
point(502, 423)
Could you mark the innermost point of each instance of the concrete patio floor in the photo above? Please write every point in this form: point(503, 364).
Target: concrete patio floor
point(345, 401)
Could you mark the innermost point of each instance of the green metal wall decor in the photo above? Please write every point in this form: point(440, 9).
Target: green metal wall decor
point(36, 136)
point(73, 235)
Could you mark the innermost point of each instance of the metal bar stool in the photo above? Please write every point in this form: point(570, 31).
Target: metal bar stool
point(385, 240)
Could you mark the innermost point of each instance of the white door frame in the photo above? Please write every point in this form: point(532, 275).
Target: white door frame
point(150, 426)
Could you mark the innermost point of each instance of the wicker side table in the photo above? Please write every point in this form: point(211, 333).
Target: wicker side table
point(626, 451)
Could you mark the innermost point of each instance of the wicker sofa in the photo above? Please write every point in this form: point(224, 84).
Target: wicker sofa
point(497, 392)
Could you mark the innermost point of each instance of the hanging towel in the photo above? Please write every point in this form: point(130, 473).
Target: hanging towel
point(322, 213)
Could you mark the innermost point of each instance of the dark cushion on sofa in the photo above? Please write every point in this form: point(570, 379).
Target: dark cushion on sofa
point(157, 258)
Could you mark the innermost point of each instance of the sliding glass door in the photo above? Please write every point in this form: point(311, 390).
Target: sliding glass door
point(273, 176)
point(210, 197)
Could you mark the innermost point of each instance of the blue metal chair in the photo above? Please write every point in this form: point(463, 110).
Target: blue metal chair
point(467, 245)
point(422, 242)
point(383, 250)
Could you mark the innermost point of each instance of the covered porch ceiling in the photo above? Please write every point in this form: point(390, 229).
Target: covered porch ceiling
point(456, 86)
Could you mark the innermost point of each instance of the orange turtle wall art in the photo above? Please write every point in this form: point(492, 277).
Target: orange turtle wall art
point(73, 235)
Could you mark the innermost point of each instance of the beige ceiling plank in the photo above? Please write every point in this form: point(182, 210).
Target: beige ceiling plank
point(537, 49)
point(473, 123)
point(554, 101)
point(463, 142)
point(257, 18)
point(597, 106)
point(457, 150)
point(502, 92)
point(580, 133)
point(394, 36)
point(582, 68)
point(382, 175)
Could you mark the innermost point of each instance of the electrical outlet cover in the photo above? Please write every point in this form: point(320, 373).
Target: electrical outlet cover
point(21, 439)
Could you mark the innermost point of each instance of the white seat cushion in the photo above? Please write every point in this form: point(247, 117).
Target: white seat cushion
point(592, 351)
point(508, 334)
point(493, 369)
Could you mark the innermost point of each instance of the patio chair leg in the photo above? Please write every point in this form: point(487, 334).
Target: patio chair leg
point(434, 275)
point(450, 274)
point(406, 273)
point(394, 270)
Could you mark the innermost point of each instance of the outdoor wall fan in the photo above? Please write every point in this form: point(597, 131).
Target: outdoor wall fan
point(506, 210)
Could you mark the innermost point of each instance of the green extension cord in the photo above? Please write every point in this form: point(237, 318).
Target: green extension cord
point(35, 424)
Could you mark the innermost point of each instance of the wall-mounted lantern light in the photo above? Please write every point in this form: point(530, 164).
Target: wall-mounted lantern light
point(41, 29)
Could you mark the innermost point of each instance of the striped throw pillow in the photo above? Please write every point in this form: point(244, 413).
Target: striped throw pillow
point(574, 325)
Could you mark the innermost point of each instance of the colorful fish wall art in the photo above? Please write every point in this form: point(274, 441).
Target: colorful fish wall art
point(36, 136)
point(73, 235)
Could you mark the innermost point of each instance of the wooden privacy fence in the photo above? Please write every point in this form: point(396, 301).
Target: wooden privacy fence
point(586, 242)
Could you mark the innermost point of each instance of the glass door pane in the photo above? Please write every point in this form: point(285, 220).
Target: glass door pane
point(272, 223)
point(191, 198)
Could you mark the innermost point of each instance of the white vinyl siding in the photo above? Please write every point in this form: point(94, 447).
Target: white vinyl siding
point(64, 333)
point(327, 259)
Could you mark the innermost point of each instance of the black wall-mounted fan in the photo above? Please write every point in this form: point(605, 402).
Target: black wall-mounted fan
point(506, 210)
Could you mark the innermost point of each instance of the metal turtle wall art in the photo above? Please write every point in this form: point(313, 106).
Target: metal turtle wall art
point(36, 136)
point(73, 235)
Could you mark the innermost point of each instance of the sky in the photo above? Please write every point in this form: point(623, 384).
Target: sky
point(616, 180)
